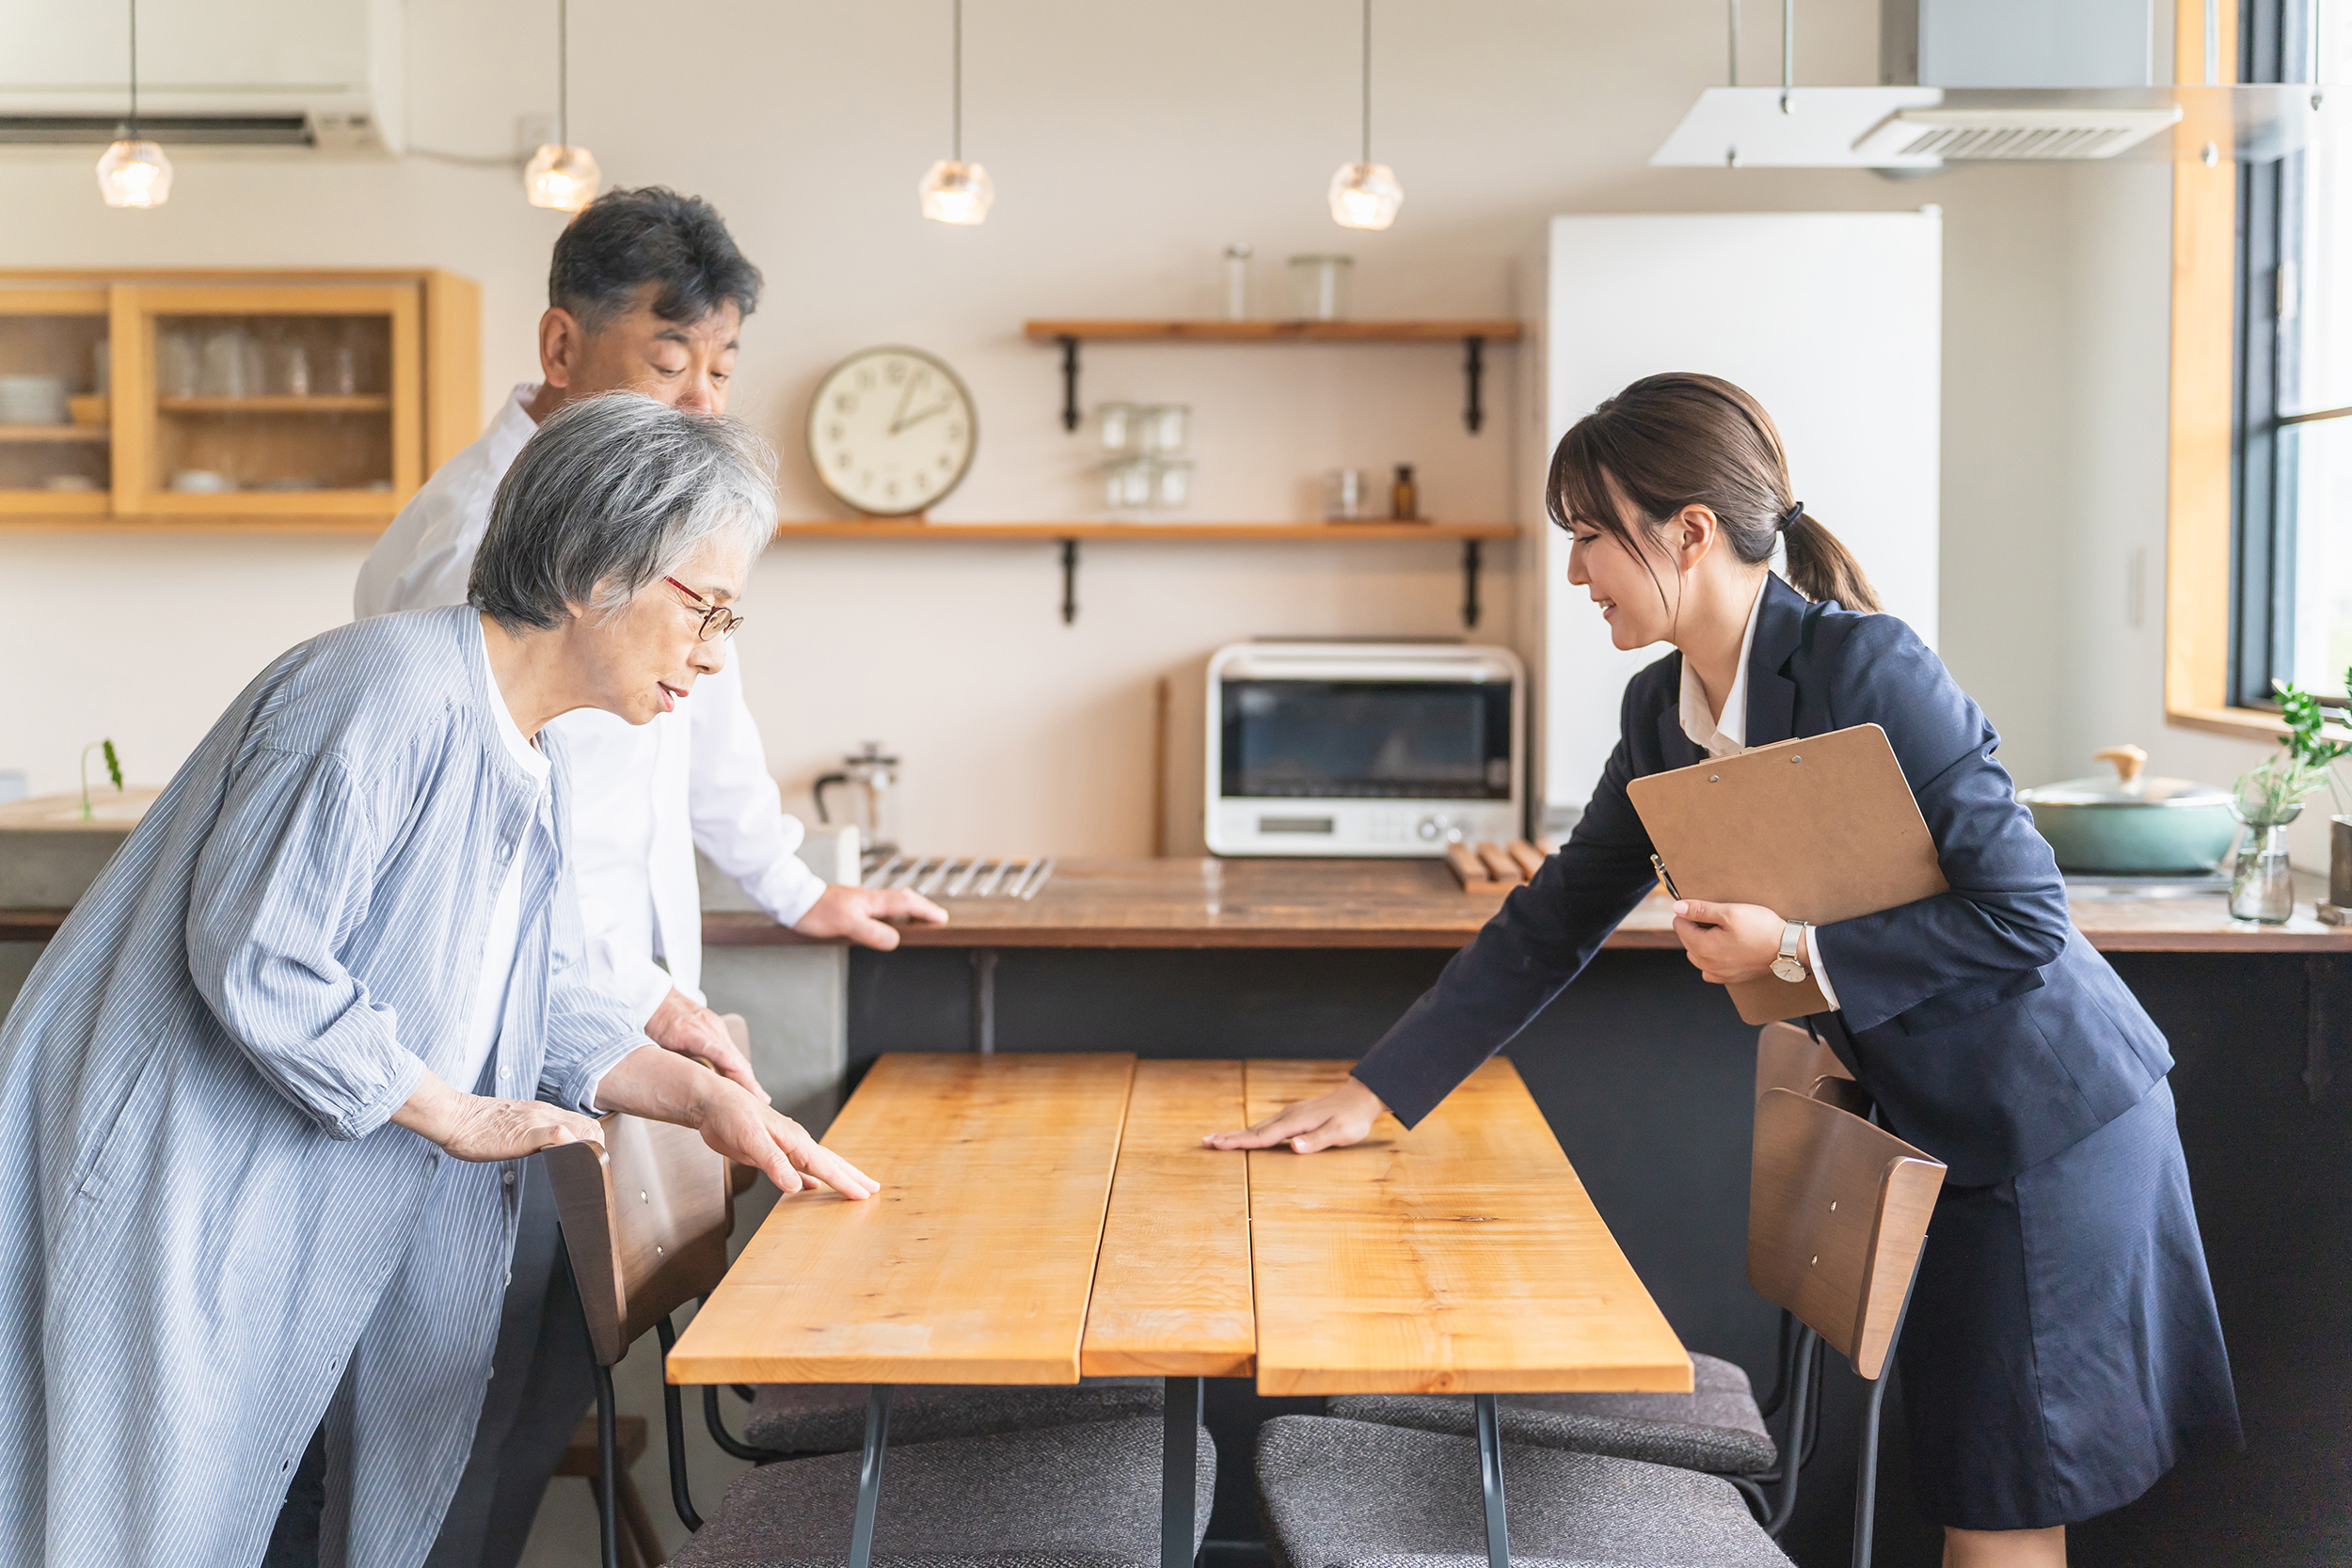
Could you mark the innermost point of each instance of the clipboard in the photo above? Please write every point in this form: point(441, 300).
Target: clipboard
point(1822, 829)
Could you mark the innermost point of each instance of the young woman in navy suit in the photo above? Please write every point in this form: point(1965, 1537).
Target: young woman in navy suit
point(2062, 1349)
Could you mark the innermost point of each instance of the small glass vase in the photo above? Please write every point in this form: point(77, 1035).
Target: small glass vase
point(2262, 888)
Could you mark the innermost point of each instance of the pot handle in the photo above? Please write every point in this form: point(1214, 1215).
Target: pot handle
point(2128, 760)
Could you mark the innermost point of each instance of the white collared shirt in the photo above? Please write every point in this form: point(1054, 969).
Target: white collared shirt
point(1725, 734)
point(644, 797)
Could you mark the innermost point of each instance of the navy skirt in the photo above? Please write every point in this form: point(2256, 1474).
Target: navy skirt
point(2062, 1350)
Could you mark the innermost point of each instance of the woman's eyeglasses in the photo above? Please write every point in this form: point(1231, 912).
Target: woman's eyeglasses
point(718, 620)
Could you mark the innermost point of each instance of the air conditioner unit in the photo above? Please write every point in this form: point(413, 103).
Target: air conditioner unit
point(320, 75)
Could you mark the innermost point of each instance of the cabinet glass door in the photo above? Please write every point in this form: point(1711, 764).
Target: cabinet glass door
point(270, 399)
point(55, 446)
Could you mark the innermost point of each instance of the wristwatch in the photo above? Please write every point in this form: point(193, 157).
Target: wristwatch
point(1788, 966)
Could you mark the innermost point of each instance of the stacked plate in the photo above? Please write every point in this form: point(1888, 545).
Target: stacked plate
point(32, 399)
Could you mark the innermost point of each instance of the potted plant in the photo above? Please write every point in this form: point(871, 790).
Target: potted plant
point(2271, 794)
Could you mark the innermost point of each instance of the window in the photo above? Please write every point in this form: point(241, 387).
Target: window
point(2291, 546)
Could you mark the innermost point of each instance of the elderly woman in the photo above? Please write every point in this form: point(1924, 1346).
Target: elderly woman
point(264, 1101)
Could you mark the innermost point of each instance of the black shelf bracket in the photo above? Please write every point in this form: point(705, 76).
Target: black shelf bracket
point(1070, 388)
point(1069, 581)
point(1470, 582)
point(1475, 370)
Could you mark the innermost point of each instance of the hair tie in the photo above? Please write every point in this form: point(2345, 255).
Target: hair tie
point(1791, 516)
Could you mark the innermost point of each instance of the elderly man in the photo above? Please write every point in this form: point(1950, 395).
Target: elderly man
point(266, 1099)
point(647, 292)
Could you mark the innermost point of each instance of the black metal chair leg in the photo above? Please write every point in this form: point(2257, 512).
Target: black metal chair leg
point(1491, 1477)
point(607, 1472)
point(1179, 1454)
point(674, 1426)
point(1866, 1486)
point(869, 1475)
point(1792, 1449)
point(726, 1440)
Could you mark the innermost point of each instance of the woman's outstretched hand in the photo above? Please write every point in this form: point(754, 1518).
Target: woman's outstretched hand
point(478, 1127)
point(1333, 1120)
point(1728, 942)
point(661, 1086)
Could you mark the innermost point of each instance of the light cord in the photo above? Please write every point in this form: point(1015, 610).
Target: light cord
point(958, 143)
point(1367, 93)
point(1788, 50)
point(563, 74)
point(135, 70)
point(1733, 51)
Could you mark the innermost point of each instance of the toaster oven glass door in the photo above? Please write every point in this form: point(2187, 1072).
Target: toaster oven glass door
point(1369, 741)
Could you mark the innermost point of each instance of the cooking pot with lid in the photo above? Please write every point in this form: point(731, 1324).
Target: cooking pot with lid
point(2133, 824)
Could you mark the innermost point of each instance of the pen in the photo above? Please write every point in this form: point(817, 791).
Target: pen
point(1672, 892)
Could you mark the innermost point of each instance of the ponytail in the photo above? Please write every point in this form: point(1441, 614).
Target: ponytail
point(1681, 440)
point(1821, 568)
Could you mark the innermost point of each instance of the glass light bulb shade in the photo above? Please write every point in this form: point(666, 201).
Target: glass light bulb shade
point(957, 193)
point(1365, 195)
point(134, 174)
point(563, 178)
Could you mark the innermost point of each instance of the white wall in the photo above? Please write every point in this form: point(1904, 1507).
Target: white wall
point(1129, 145)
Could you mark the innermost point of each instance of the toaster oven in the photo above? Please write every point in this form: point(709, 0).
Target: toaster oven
point(1360, 748)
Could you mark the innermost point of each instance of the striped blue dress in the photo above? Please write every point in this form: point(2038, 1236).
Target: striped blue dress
point(214, 1239)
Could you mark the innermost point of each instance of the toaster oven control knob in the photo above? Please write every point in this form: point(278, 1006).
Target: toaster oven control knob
point(1433, 828)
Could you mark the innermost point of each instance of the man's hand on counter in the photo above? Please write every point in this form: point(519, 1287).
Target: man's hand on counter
point(686, 1026)
point(858, 913)
point(1331, 1120)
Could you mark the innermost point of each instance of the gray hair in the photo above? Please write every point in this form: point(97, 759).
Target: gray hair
point(612, 495)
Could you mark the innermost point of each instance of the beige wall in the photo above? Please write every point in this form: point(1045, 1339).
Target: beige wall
point(1129, 145)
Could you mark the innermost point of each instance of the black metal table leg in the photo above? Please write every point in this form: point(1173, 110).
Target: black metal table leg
point(1490, 1476)
point(985, 1001)
point(1179, 1454)
point(869, 1475)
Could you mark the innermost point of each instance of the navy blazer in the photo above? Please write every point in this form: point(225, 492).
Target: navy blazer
point(1990, 1033)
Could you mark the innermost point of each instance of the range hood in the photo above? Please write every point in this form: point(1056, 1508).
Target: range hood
point(1971, 81)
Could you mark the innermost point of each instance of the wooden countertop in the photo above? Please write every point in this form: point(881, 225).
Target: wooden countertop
point(1370, 903)
point(1414, 903)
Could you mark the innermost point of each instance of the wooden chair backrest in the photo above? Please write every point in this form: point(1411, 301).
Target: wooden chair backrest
point(1837, 1210)
point(1787, 1058)
point(646, 1223)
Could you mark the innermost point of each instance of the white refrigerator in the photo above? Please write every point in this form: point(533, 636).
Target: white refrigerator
point(1832, 320)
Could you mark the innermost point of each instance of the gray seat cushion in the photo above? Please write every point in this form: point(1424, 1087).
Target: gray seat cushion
point(1714, 1428)
point(1340, 1494)
point(830, 1417)
point(1070, 1497)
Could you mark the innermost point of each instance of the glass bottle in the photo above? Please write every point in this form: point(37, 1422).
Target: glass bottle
point(1405, 496)
point(2261, 887)
point(1236, 282)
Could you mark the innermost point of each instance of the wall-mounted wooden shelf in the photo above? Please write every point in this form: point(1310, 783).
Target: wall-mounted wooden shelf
point(1471, 536)
point(54, 432)
point(1473, 335)
point(1274, 331)
point(1248, 533)
point(361, 402)
point(98, 520)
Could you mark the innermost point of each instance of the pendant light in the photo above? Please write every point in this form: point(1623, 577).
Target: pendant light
point(134, 173)
point(954, 191)
point(560, 175)
point(1366, 195)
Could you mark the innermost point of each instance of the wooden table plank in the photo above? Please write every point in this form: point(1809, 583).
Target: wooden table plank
point(1171, 1288)
point(1461, 1257)
point(975, 1263)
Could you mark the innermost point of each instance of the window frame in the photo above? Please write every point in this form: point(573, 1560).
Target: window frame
point(2230, 528)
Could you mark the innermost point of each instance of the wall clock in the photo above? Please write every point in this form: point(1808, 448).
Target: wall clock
point(891, 431)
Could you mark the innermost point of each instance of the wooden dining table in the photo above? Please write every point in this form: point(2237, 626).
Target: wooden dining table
point(1049, 1217)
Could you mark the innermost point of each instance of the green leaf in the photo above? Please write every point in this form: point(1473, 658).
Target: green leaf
point(114, 764)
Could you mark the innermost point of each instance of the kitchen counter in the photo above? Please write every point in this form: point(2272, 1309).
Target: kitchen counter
point(1391, 904)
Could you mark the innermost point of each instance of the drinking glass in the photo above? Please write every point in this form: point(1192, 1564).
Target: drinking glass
point(1319, 287)
point(2261, 887)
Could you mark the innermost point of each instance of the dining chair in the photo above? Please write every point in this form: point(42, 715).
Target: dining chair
point(1720, 1427)
point(646, 1223)
point(1837, 1212)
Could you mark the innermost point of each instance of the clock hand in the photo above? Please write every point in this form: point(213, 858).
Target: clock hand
point(900, 417)
point(917, 418)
